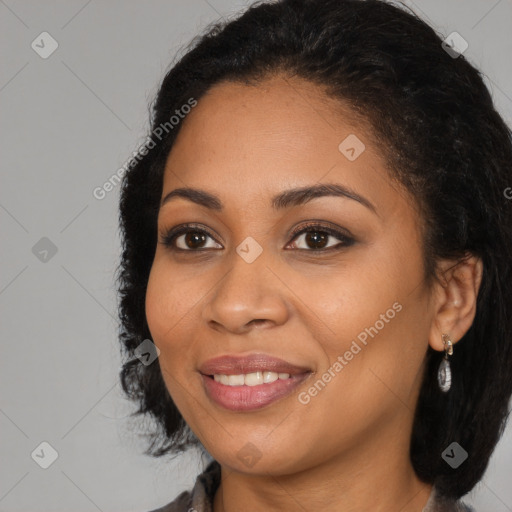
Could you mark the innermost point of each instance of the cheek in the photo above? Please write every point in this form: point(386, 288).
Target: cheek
point(157, 297)
point(167, 302)
point(166, 313)
point(378, 323)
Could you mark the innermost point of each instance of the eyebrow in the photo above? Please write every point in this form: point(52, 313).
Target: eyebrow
point(286, 199)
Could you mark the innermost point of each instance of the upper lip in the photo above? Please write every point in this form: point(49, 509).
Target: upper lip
point(236, 365)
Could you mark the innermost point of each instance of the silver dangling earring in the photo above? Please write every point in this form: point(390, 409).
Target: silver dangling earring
point(444, 374)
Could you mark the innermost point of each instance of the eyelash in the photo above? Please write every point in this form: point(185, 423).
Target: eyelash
point(171, 235)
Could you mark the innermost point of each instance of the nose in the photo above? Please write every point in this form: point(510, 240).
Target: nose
point(249, 295)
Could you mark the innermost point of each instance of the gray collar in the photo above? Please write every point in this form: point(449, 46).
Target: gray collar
point(200, 498)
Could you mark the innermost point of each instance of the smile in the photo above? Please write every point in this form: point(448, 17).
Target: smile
point(248, 397)
point(250, 379)
point(248, 382)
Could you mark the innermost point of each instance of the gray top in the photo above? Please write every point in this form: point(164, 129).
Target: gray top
point(200, 498)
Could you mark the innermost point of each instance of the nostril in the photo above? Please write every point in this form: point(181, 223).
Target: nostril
point(258, 321)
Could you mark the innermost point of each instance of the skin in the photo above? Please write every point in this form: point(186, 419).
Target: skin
point(350, 444)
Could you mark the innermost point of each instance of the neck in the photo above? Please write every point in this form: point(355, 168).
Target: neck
point(378, 478)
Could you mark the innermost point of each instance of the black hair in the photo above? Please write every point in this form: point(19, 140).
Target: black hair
point(434, 120)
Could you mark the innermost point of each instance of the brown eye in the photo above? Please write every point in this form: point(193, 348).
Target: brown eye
point(194, 239)
point(316, 239)
point(320, 238)
point(189, 238)
point(313, 238)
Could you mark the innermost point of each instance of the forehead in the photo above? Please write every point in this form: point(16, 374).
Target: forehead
point(250, 141)
point(280, 117)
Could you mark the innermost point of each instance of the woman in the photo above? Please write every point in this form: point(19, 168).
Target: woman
point(317, 246)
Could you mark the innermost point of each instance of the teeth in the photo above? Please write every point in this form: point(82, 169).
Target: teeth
point(270, 377)
point(235, 380)
point(253, 379)
point(250, 379)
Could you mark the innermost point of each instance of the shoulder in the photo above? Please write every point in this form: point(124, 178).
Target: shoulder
point(200, 498)
point(181, 504)
point(463, 507)
point(438, 503)
point(454, 506)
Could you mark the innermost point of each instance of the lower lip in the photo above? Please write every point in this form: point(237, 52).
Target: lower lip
point(249, 398)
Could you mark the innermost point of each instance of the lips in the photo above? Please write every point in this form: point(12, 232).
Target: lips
point(243, 397)
point(235, 365)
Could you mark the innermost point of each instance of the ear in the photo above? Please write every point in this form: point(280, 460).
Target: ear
point(455, 299)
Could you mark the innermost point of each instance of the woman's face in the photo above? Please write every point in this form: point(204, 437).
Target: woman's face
point(344, 302)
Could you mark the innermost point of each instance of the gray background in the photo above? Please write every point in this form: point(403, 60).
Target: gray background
point(68, 123)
